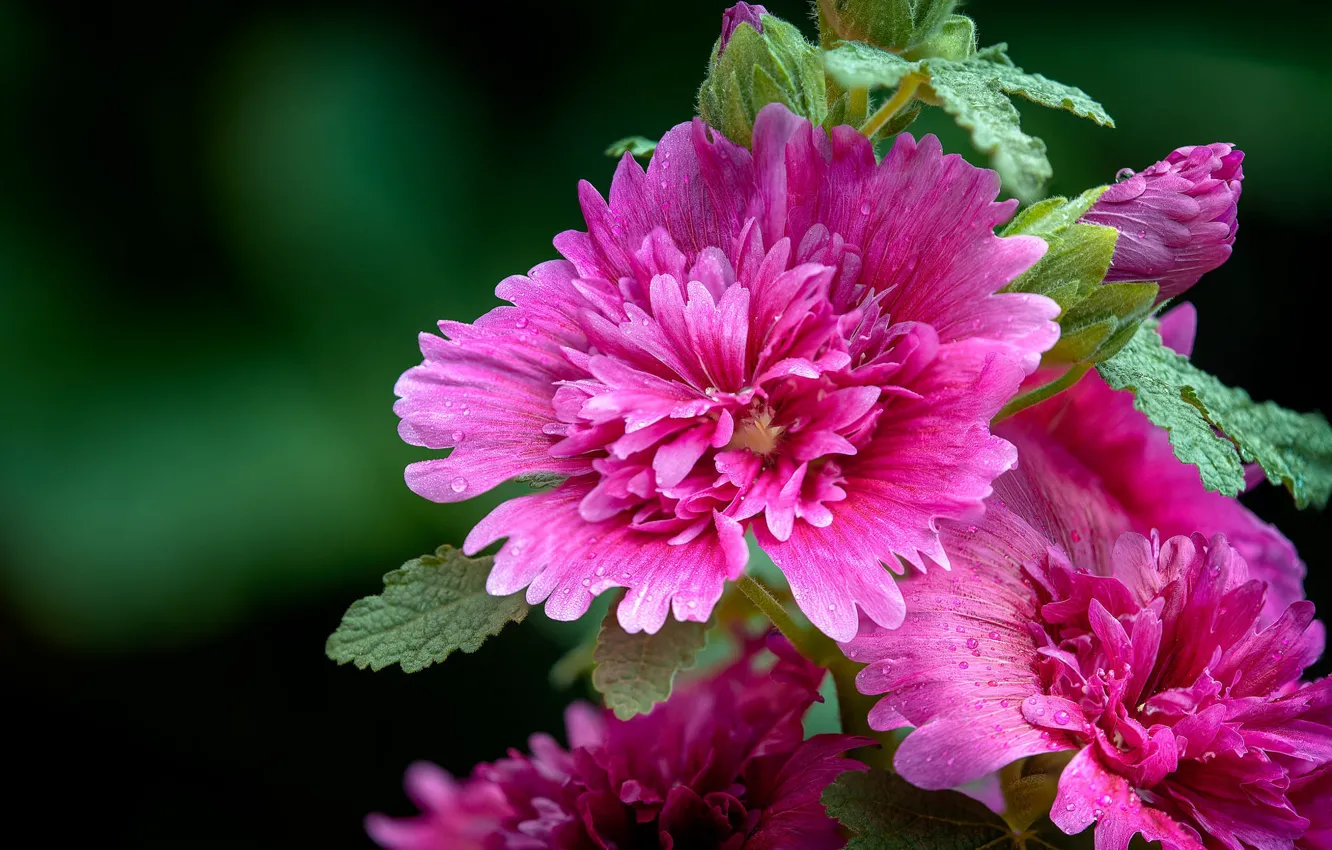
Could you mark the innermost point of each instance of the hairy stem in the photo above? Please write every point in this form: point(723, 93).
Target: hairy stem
point(1040, 394)
point(763, 600)
point(906, 89)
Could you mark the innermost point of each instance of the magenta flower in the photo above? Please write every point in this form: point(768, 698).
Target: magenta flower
point(722, 764)
point(1176, 220)
point(1187, 717)
point(1101, 468)
point(740, 13)
point(802, 342)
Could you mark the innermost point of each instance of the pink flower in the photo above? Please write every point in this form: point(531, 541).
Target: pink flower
point(740, 13)
point(1176, 220)
point(1188, 718)
point(802, 342)
point(721, 764)
point(1095, 462)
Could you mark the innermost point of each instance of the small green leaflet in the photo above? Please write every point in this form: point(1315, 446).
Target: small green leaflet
point(634, 672)
point(976, 92)
point(1294, 449)
point(885, 812)
point(636, 145)
point(432, 606)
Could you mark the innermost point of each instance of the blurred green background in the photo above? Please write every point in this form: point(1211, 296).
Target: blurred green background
point(222, 226)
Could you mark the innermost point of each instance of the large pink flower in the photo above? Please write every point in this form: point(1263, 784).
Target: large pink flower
point(722, 764)
point(1097, 468)
point(1188, 718)
point(802, 342)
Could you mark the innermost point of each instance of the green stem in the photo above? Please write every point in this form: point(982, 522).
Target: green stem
point(763, 600)
point(1040, 394)
point(906, 89)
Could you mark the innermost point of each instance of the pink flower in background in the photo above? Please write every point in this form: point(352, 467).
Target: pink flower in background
point(1187, 716)
point(1176, 220)
point(740, 13)
point(1098, 468)
point(722, 764)
point(800, 342)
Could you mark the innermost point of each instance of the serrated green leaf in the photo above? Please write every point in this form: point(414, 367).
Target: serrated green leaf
point(431, 607)
point(1042, 90)
point(635, 672)
point(1293, 449)
point(970, 92)
point(976, 92)
point(636, 145)
point(888, 813)
point(1158, 377)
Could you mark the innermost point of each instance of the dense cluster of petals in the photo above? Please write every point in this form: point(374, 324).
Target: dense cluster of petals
point(801, 342)
point(1176, 219)
point(1171, 669)
point(722, 765)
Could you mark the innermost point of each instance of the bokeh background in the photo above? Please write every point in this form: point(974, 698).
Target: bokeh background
point(222, 226)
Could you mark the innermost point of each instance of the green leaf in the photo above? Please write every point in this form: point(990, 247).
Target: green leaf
point(432, 606)
point(634, 672)
point(970, 92)
point(1158, 377)
point(636, 145)
point(888, 813)
point(1042, 90)
point(976, 91)
point(1293, 449)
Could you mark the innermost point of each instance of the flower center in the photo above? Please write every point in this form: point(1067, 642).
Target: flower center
point(757, 433)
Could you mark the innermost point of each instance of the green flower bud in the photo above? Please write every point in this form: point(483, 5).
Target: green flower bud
point(896, 25)
point(754, 66)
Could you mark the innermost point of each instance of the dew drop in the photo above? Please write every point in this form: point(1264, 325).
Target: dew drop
point(1070, 807)
point(963, 665)
point(1040, 712)
point(1061, 717)
point(992, 683)
point(1124, 174)
point(1077, 537)
point(458, 436)
point(521, 322)
point(972, 643)
point(994, 636)
point(952, 647)
point(865, 208)
point(1003, 703)
point(587, 582)
point(1104, 800)
point(458, 484)
point(601, 571)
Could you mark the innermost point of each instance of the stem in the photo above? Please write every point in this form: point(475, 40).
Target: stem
point(1040, 394)
point(906, 89)
point(763, 600)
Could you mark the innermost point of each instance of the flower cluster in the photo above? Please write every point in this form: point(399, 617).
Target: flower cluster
point(723, 764)
point(801, 342)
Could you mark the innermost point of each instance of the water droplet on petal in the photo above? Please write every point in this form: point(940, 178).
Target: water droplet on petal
point(972, 643)
point(1061, 717)
point(1104, 800)
point(521, 322)
point(1124, 174)
point(865, 208)
point(587, 582)
point(1070, 807)
point(994, 636)
point(458, 436)
point(458, 484)
point(962, 665)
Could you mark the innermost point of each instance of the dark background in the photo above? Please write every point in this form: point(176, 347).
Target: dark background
point(222, 226)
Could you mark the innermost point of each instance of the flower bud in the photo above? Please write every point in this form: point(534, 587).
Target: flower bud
point(1176, 220)
point(760, 59)
point(740, 13)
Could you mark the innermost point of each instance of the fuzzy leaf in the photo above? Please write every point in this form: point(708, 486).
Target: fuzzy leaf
point(888, 813)
point(975, 90)
point(634, 672)
point(636, 145)
point(1293, 449)
point(431, 607)
point(1158, 377)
